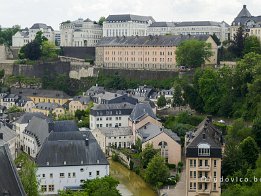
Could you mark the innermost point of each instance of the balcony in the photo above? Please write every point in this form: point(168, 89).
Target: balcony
point(204, 179)
point(204, 168)
point(204, 191)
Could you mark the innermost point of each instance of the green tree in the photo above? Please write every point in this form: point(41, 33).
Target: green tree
point(252, 44)
point(237, 45)
point(49, 50)
point(39, 38)
point(147, 154)
point(14, 109)
point(27, 174)
point(101, 20)
point(250, 151)
point(256, 130)
point(6, 35)
point(161, 101)
point(193, 53)
point(31, 51)
point(177, 96)
point(157, 171)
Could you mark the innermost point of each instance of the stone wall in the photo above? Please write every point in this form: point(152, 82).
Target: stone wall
point(80, 70)
point(8, 67)
point(79, 52)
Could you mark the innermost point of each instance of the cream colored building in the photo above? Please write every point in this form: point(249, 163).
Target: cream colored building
point(251, 24)
point(79, 103)
point(120, 137)
point(80, 33)
point(126, 25)
point(145, 53)
point(163, 139)
point(49, 108)
point(203, 150)
point(25, 36)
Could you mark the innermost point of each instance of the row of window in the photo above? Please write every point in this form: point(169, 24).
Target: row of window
point(193, 174)
point(201, 186)
point(193, 163)
point(72, 174)
point(109, 118)
point(138, 52)
point(50, 188)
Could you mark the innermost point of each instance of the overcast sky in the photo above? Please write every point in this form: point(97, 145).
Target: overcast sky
point(53, 12)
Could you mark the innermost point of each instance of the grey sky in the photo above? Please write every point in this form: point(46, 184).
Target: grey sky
point(53, 12)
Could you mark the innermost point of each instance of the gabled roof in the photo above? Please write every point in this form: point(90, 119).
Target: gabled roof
point(47, 106)
point(70, 149)
point(212, 135)
point(107, 95)
point(113, 106)
point(26, 117)
point(129, 17)
point(83, 99)
point(9, 178)
point(39, 26)
point(158, 40)
point(8, 134)
point(22, 101)
point(140, 110)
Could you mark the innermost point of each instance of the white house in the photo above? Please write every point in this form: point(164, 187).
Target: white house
point(25, 36)
point(9, 100)
point(67, 159)
point(80, 33)
point(110, 115)
point(120, 137)
point(126, 25)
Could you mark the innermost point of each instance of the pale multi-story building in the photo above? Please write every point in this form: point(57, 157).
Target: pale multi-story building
point(146, 52)
point(25, 36)
point(66, 160)
point(119, 137)
point(203, 150)
point(251, 24)
point(110, 115)
point(49, 109)
point(79, 103)
point(80, 32)
point(126, 25)
point(161, 28)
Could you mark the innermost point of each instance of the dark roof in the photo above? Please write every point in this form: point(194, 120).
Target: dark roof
point(47, 106)
point(158, 40)
point(95, 90)
point(129, 17)
point(40, 93)
point(8, 134)
point(113, 106)
point(39, 129)
point(65, 126)
point(22, 101)
point(26, 117)
point(70, 148)
point(197, 23)
point(213, 136)
point(115, 131)
point(140, 110)
point(9, 179)
point(83, 99)
point(244, 12)
point(41, 25)
point(162, 24)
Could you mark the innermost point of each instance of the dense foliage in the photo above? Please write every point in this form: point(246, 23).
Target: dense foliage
point(193, 53)
point(6, 35)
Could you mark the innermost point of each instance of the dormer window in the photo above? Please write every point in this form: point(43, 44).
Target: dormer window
point(203, 149)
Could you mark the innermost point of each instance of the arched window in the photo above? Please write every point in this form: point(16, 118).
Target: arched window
point(203, 149)
point(164, 150)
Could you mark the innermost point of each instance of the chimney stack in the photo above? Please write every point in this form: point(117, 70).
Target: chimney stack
point(244, 6)
point(1, 136)
point(87, 142)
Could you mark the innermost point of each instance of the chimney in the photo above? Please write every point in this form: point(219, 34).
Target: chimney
point(1, 136)
point(87, 142)
point(244, 6)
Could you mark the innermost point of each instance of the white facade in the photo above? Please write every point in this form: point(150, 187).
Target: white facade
point(52, 179)
point(83, 33)
point(30, 146)
point(25, 36)
point(19, 129)
point(108, 121)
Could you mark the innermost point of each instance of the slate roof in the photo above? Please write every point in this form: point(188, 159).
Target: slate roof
point(22, 101)
point(70, 147)
point(40, 93)
point(83, 99)
point(213, 136)
point(158, 40)
point(95, 90)
point(115, 131)
point(65, 126)
point(149, 131)
point(47, 106)
point(26, 117)
point(244, 12)
point(39, 129)
point(41, 25)
point(129, 17)
point(113, 106)
point(8, 134)
point(140, 110)
point(244, 16)
point(197, 23)
point(9, 178)
point(162, 24)
point(107, 95)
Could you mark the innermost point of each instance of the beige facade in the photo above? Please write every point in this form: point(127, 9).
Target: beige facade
point(171, 149)
point(142, 56)
point(203, 176)
point(57, 111)
point(28, 106)
point(76, 105)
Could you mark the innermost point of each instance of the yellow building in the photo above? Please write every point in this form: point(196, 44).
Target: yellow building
point(49, 108)
point(42, 96)
point(145, 52)
point(79, 103)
